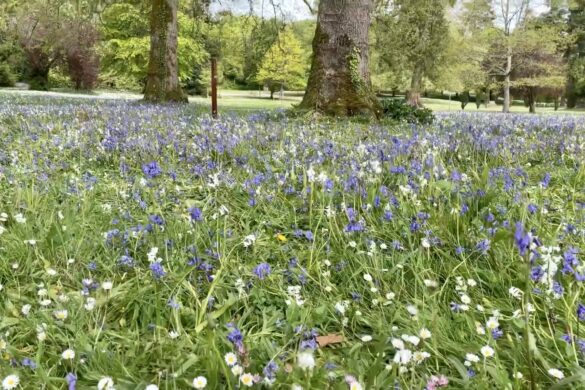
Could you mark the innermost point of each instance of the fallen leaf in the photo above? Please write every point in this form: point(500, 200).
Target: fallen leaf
point(329, 339)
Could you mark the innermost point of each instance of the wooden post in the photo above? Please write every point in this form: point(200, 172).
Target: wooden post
point(214, 88)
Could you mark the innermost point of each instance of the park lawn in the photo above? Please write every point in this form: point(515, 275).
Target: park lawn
point(239, 101)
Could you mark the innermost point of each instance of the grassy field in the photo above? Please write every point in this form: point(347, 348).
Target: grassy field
point(149, 247)
point(246, 101)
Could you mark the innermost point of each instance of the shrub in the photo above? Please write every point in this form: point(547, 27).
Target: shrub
point(400, 111)
point(7, 78)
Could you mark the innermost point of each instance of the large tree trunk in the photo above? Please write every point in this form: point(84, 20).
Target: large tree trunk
point(339, 82)
point(413, 94)
point(162, 83)
point(506, 107)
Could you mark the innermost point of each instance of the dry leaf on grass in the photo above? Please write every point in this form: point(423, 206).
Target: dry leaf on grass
point(329, 339)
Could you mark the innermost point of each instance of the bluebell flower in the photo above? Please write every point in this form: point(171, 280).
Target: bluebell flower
point(464, 209)
point(151, 169)
point(157, 269)
point(522, 239)
point(532, 208)
point(262, 270)
point(196, 214)
point(156, 219)
point(235, 337)
point(126, 261)
point(497, 333)
point(581, 312)
point(27, 362)
point(483, 246)
point(545, 180)
point(536, 273)
point(71, 381)
point(270, 370)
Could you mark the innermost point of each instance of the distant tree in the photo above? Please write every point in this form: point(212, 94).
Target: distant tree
point(541, 65)
point(80, 55)
point(282, 66)
point(162, 82)
point(511, 16)
point(477, 15)
point(40, 32)
point(415, 35)
point(339, 80)
point(576, 53)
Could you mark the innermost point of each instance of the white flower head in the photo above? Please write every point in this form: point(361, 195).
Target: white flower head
point(424, 334)
point(556, 373)
point(231, 359)
point(247, 380)
point(68, 354)
point(487, 351)
point(306, 360)
point(105, 383)
point(10, 382)
point(200, 382)
point(237, 370)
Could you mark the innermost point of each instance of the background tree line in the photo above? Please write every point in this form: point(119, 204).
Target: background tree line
point(479, 49)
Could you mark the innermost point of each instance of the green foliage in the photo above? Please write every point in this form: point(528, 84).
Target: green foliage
point(123, 21)
point(125, 51)
point(282, 65)
point(414, 34)
point(7, 78)
point(399, 110)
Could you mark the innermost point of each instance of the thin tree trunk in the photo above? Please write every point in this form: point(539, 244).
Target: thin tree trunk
point(413, 94)
point(162, 84)
point(339, 81)
point(571, 95)
point(506, 107)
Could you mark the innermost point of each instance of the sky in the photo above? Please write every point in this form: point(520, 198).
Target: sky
point(289, 9)
point(297, 10)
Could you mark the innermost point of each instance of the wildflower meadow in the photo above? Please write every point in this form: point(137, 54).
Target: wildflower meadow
point(151, 247)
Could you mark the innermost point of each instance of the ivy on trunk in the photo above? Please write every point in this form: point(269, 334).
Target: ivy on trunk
point(339, 82)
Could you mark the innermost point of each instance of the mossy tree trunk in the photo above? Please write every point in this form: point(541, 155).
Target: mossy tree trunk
point(162, 83)
point(339, 81)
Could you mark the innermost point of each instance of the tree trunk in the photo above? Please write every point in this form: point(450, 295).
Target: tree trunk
point(413, 94)
point(506, 107)
point(162, 84)
point(556, 103)
point(530, 99)
point(571, 95)
point(339, 82)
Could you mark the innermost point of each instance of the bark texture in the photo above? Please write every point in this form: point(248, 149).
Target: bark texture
point(413, 94)
point(339, 82)
point(162, 83)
